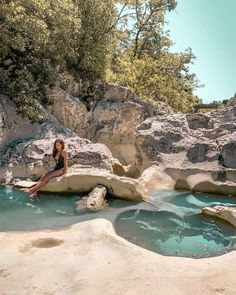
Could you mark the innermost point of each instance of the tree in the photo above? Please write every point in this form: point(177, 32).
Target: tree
point(47, 29)
point(159, 79)
point(142, 60)
point(144, 25)
point(35, 35)
point(96, 38)
point(39, 38)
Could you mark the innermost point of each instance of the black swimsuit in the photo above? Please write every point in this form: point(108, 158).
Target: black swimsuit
point(60, 163)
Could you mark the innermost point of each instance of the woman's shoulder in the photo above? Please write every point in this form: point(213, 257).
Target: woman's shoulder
point(64, 153)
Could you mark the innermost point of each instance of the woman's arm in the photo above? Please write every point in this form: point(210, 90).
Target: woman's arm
point(64, 155)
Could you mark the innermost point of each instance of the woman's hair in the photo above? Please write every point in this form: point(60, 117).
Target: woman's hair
point(58, 140)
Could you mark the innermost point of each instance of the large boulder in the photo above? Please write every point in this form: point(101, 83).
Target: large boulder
point(227, 146)
point(26, 147)
point(202, 141)
point(84, 180)
point(155, 179)
point(107, 114)
point(197, 180)
point(34, 158)
point(69, 110)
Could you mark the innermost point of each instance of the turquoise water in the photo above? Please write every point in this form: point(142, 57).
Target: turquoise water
point(51, 210)
point(178, 228)
point(170, 225)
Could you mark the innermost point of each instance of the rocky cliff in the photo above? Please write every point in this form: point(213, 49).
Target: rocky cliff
point(103, 123)
point(26, 148)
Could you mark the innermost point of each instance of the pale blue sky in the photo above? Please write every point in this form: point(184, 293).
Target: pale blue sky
point(209, 28)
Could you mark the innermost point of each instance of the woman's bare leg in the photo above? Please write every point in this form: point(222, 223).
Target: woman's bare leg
point(29, 189)
point(41, 183)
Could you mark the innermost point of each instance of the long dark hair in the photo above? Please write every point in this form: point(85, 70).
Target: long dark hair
point(61, 141)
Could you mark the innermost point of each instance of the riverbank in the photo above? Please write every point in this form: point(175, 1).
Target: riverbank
point(62, 262)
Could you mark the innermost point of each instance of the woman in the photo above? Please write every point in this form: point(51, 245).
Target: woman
point(60, 157)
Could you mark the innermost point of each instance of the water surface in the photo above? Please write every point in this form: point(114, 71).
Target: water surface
point(171, 225)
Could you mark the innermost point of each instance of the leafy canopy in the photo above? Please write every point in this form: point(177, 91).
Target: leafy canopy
point(122, 41)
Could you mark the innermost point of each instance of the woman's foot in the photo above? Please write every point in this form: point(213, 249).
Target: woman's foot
point(32, 196)
point(25, 189)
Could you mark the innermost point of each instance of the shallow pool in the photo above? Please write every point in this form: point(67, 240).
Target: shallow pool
point(170, 225)
point(51, 210)
point(178, 228)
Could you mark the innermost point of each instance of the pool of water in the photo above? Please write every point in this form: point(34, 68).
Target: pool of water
point(170, 225)
point(51, 210)
point(178, 228)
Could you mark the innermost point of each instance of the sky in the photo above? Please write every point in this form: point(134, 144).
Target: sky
point(209, 28)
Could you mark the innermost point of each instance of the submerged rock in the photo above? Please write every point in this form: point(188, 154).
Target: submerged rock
point(226, 213)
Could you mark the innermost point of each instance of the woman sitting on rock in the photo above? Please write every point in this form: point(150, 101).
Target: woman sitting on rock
point(60, 157)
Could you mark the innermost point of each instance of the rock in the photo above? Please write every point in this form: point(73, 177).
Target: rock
point(132, 170)
point(117, 167)
point(14, 128)
point(155, 179)
point(228, 150)
point(81, 204)
point(96, 198)
point(34, 158)
point(139, 134)
point(196, 180)
point(188, 141)
point(26, 148)
point(84, 180)
point(226, 213)
point(199, 121)
point(69, 110)
point(24, 183)
point(108, 115)
point(115, 92)
point(121, 267)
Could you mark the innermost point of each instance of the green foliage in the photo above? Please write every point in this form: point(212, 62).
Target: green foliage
point(35, 35)
point(41, 38)
point(47, 29)
point(96, 36)
point(143, 61)
point(165, 78)
point(145, 31)
point(19, 84)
